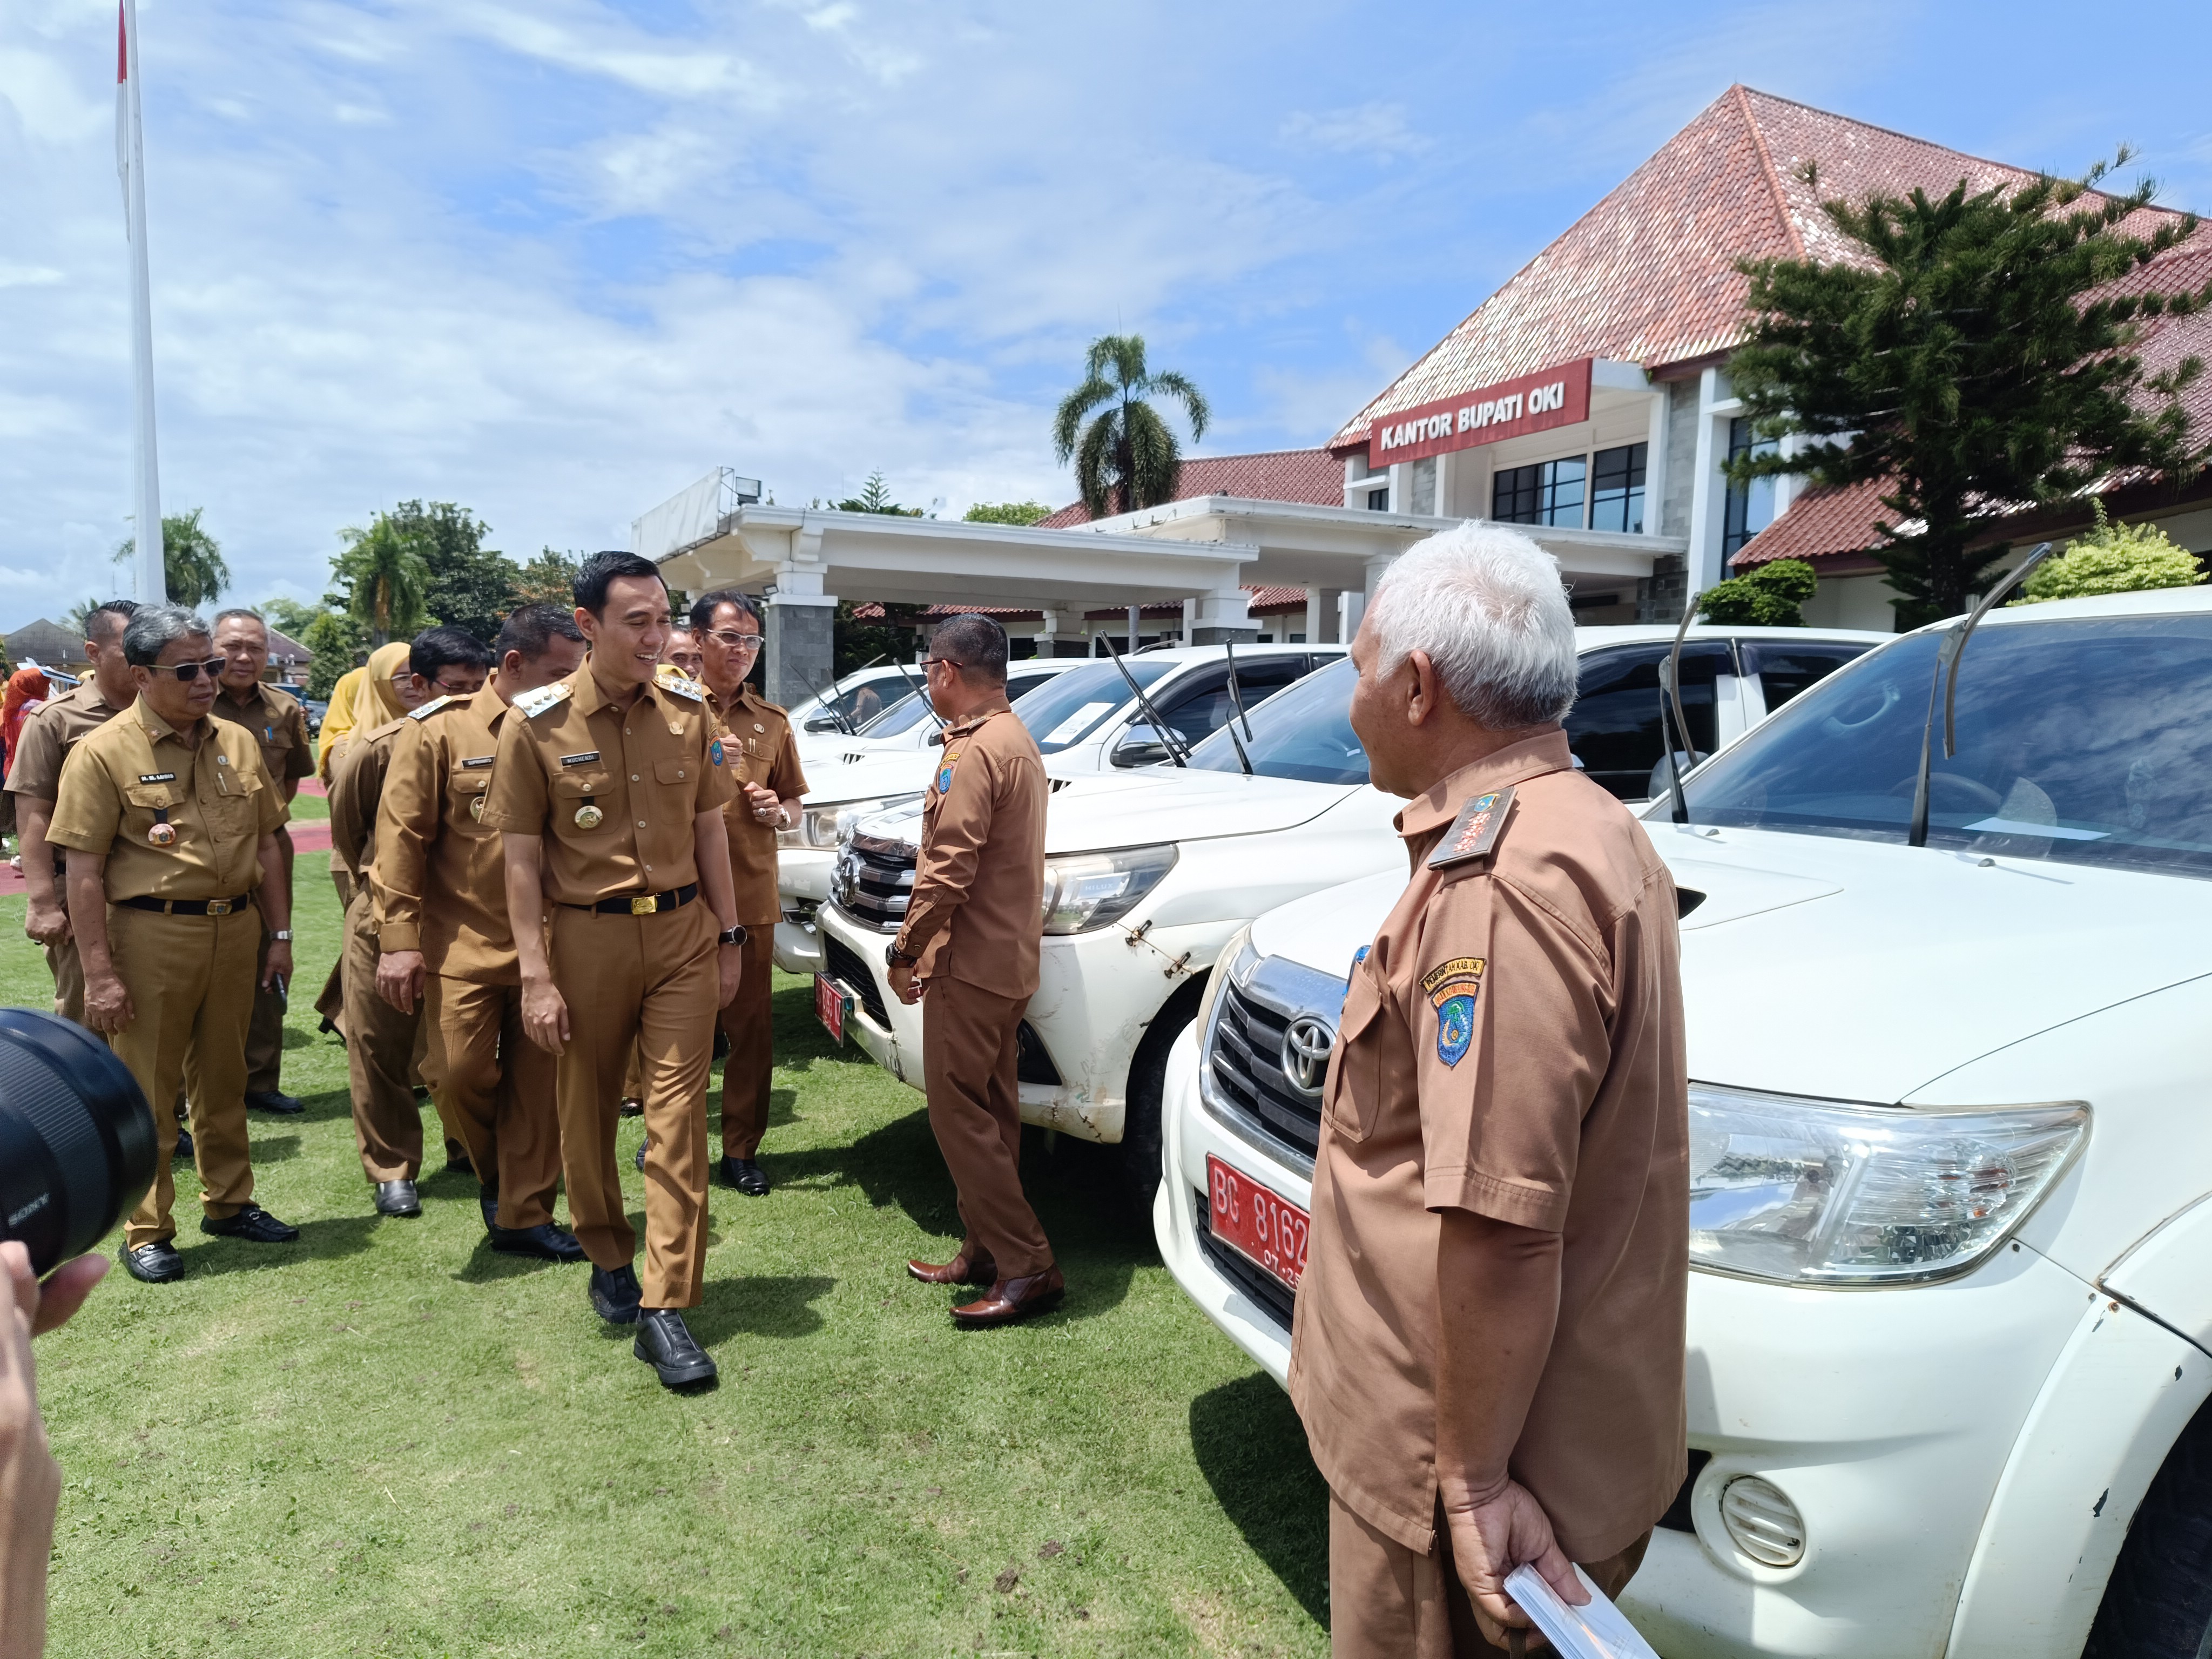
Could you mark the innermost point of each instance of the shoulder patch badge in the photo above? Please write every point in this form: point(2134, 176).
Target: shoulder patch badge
point(423, 712)
point(534, 703)
point(945, 771)
point(681, 685)
point(1452, 987)
point(714, 752)
point(1475, 831)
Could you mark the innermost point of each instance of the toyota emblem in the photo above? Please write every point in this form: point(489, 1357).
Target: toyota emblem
point(1306, 1049)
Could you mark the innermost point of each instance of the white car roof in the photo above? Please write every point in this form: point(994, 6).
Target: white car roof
point(2155, 602)
point(1587, 639)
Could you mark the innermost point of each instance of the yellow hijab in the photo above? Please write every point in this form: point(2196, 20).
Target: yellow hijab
point(363, 699)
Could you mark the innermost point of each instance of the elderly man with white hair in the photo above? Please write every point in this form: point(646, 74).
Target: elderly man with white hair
point(1487, 1351)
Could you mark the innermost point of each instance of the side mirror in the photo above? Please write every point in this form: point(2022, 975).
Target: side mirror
point(1140, 745)
point(824, 722)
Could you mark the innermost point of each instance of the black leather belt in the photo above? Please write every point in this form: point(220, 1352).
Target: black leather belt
point(190, 906)
point(643, 905)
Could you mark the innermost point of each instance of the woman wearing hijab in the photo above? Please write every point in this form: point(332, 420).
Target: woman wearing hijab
point(338, 720)
point(26, 689)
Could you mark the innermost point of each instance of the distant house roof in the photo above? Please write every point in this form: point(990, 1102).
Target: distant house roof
point(48, 643)
point(1312, 475)
point(282, 648)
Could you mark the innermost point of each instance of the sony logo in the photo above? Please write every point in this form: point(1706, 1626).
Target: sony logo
point(16, 1220)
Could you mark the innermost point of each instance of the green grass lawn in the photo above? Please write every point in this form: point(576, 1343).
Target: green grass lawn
point(386, 1440)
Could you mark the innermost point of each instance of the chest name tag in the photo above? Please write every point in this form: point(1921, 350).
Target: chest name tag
point(579, 760)
point(474, 762)
point(1451, 988)
point(1475, 831)
point(157, 777)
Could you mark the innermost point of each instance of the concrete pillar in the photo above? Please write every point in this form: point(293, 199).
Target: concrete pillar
point(1313, 616)
point(1225, 618)
point(1189, 618)
point(1374, 565)
point(800, 647)
point(1332, 616)
point(1350, 607)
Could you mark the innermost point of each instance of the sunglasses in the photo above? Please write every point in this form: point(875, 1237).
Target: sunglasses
point(191, 670)
point(737, 642)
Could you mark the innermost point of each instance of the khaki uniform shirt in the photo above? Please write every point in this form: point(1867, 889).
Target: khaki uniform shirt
point(757, 747)
point(1511, 1045)
point(440, 872)
point(50, 731)
point(357, 789)
point(278, 724)
point(977, 914)
point(135, 772)
point(613, 791)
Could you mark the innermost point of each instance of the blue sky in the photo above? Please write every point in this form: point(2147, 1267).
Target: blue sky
point(555, 258)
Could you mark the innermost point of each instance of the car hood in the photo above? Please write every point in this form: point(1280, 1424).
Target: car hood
point(1160, 804)
point(897, 772)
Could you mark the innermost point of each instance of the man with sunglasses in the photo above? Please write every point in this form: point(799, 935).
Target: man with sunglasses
point(973, 935)
point(170, 820)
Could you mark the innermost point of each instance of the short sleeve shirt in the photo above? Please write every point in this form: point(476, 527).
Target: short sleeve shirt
point(279, 726)
point(757, 747)
point(1510, 1045)
point(613, 791)
point(441, 870)
point(356, 787)
point(134, 772)
point(50, 731)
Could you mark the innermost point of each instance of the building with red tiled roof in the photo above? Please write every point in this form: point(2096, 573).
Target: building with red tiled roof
point(1312, 475)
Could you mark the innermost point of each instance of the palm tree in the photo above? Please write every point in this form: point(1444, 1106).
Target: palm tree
point(192, 564)
point(1127, 457)
point(387, 576)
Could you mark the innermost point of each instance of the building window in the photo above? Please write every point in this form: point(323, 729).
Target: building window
point(1617, 489)
point(1378, 501)
point(1750, 505)
point(1550, 492)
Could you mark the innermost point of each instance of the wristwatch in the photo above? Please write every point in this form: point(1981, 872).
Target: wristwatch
point(283, 935)
point(733, 935)
point(893, 956)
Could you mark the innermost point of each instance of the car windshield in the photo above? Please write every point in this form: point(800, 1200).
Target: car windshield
point(1303, 732)
point(903, 715)
point(2079, 742)
point(1070, 707)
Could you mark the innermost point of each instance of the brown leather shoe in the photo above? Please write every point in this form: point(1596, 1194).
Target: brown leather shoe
point(1010, 1299)
point(961, 1270)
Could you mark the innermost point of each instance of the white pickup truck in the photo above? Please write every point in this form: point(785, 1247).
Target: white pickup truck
point(1951, 1153)
point(1149, 874)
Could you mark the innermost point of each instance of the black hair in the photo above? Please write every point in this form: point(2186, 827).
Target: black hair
point(435, 649)
point(704, 607)
point(532, 629)
point(122, 610)
point(602, 570)
point(976, 642)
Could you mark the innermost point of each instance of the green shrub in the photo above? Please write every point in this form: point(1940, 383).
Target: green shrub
point(2112, 558)
point(1765, 595)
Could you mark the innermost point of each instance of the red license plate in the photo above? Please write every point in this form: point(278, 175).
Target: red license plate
point(1256, 1223)
point(830, 1006)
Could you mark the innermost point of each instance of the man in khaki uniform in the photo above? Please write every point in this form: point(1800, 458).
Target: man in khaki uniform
point(279, 725)
point(1487, 1348)
point(764, 757)
point(973, 931)
point(171, 825)
point(609, 790)
point(386, 1048)
point(440, 883)
point(50, 733)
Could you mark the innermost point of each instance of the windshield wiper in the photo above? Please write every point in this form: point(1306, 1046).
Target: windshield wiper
point(928, 707)
point(1946, 659)
point(1237, 704)
point(1167, 736)
point(829, 699)
point(1670, 691)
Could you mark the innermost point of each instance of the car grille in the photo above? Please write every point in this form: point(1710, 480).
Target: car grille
point(1247, 1066)
point(846, 969)
point(1274, 1298)
point(874, 881)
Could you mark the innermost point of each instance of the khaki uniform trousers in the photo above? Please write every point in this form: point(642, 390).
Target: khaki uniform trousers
point(646, 984)
point(1384, 1599)
point(264, 1032)
point(495, 1089)
point(385, 1050)
point(974, 1111)
point(68, 970)
point(331, 1005)
point(191, 979)
point(746, 1073)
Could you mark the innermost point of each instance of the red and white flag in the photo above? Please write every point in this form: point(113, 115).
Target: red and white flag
point(130, 166)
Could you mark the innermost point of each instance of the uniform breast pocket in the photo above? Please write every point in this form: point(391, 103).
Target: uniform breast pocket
point(466, 797)
point(676, 774)
point(145, 805)
point(582, 802)
point(1352, 1098)
point(236, 804)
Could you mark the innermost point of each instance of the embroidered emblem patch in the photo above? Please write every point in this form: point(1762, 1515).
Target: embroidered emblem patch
point(714, 748)
point(1451, 988)
point(944, 772)
point(1475, 831)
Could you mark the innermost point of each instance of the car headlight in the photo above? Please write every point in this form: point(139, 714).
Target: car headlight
point(1813, 1192)
point(1085, 891)
point(820, 826)
point(1233, 966)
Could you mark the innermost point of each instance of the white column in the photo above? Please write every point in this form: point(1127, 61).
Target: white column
point(1224, 617)
point(1708, 492)
point(1655, 460)
point(1446, 479)
point(1313, 616)
point(1189, 618)
point(1349, 609)
point(1374, 565)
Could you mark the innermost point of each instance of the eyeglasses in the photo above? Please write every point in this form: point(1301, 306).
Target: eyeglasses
point(734, 640)
point(950, 662)
point(191, 670)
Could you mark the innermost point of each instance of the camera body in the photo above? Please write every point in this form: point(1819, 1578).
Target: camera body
point(77, 1146)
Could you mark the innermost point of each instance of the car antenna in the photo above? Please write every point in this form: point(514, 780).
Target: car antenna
point(1670, 691)
point(1144, 705)
point(1237, 704)
point(1946, 659)
point(924, 695)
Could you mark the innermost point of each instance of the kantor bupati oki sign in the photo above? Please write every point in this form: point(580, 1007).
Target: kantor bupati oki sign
point(1532, 403)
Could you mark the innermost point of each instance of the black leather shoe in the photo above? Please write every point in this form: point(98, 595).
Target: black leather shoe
point(746, 1176)
point(630, 1106)
point(544, 1241)
point(615, 1296)
point(640, 1159)
point(397, 1197)
point(253, 1224)
point(488, 1203)
point(184, 1152)
point(153, 1264)
point(663, 1342)
point(273, 1100)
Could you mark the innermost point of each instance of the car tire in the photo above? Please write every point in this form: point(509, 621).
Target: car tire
point(1141, 1147)
point(2158, 1603)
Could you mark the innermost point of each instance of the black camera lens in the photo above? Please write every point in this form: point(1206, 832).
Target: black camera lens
point(77, 1139)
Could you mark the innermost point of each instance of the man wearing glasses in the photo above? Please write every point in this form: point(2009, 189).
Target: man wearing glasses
point(170, 822)
point(763, 756)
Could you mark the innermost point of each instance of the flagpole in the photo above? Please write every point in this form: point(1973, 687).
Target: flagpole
point(149, 565)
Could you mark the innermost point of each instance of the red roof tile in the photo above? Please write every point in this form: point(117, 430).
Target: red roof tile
point(1311, 476)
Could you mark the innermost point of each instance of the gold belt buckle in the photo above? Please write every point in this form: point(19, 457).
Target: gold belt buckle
point(644, 907)
point(218, 907)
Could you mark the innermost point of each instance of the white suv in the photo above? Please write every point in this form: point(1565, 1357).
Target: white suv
point(1148, 874)
point(1951, 1149)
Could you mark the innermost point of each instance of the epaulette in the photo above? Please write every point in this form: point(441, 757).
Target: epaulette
point(1475, 831)
point(534, 703)
point(682, 684)
point(424, 711)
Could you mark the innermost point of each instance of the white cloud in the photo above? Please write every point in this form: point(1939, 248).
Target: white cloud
point(1379, 131)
